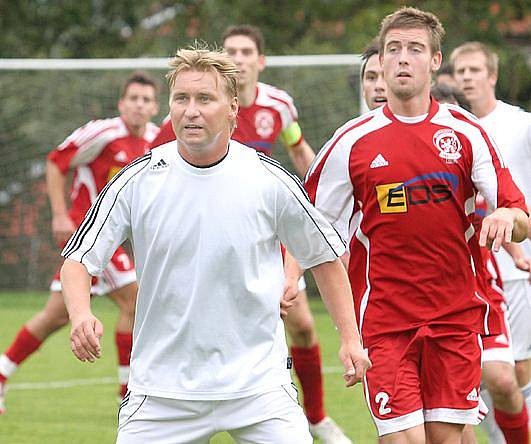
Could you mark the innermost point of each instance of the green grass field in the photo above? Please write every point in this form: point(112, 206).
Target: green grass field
point(55, 399)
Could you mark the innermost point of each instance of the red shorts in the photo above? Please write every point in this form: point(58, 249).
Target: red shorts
point(118, 273)
point(499, 347)
point(425, 375)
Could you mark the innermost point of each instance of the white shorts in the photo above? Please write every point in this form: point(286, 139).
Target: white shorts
point(518, 295)
point(274, 417)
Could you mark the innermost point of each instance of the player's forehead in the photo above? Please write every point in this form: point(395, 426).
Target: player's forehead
point(469, 59)
point(193, 81)
point(135, 89)
point(373, 64)
point(240, 42)
point(407, 36)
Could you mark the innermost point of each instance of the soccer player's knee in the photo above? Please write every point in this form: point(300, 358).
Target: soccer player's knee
point(504, 385)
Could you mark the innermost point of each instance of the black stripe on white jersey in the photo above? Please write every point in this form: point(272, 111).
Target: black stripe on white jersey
point(278, 176)
point(75, 241)
point(292, 176)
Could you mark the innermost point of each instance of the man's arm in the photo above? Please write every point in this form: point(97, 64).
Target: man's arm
point(332, 280)
point(62, 224)
point(302, 157)
point(86, 328)
point(503, 225)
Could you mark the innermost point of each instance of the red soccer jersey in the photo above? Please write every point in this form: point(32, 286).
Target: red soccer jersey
point(96, 152)
point(258, 125)
point(401, 194)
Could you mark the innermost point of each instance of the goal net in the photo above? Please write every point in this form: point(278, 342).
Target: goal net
point(43, 101)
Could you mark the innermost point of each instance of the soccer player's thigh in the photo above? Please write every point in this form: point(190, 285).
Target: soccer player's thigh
point(518, 294)
point(299, 321)
point(147, 419)
point(451, 376)
point(274, 417)
point(392, 385)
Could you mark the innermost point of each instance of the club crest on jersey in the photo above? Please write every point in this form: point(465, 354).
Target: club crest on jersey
point(264, 123)
point(448, 144)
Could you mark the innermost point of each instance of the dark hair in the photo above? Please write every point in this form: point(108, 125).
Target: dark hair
point(444, 93)
point(138, 77)
point(249, 31)
point(446, 68)
point(371, 49)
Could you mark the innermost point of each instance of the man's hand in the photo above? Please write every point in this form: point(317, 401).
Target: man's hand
point(291, 290)
point(497, 228)
point(355, 361)
point(62, 227)
point(85, 338)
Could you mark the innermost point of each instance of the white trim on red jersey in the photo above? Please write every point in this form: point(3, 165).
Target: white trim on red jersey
point(278, 99)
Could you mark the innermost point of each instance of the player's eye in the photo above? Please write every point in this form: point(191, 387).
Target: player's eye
point(204, 99)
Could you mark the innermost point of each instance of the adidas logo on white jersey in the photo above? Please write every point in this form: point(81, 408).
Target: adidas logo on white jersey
point(161, 164)
point(379, 161)
point(473, 395)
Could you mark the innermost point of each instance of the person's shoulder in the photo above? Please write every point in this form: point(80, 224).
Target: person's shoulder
point(361, 125)
point(96, 133)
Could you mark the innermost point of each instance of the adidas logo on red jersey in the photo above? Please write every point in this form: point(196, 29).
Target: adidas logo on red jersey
point(379, 161)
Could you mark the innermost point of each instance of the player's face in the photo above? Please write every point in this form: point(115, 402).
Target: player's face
point(447, 79)
point(244, 53)
point(408, 62)
point(202, 113)
point(138, 105)
point(374, 87)
point(472, 75)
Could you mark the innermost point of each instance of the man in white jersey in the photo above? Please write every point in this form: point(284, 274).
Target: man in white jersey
point(209, 350)
point(476, 71)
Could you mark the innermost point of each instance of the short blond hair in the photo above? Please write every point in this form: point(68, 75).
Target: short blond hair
point(409, 18)
point(466, 48)
point(199, 57)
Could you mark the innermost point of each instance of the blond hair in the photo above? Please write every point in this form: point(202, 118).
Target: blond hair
point(466, 48)
point(409, 18)
point(199, 57)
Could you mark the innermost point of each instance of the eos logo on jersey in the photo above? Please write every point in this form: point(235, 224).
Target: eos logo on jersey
point(432, 187)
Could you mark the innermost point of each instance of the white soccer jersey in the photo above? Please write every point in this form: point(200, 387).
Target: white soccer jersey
point(207, 251)
point(510, 127)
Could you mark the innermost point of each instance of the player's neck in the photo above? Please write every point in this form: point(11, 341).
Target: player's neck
point(136, 131)
point(412, 107)
point(483, 106)
point(247, 95)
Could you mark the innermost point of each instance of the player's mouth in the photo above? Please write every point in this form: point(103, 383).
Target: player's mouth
point(380, 99)
point(404, 74)
point(192, 127)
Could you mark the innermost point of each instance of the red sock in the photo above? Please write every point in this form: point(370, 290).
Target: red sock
point(307, 363)
point(124, 343)
point(513, 425)
point(24, 344)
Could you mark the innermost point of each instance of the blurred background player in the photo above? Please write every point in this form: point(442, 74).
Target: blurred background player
point(372, 81)
point(95, 152)
point(445, 74)
point(476, 72)
point(417, 331)
point(266, 114)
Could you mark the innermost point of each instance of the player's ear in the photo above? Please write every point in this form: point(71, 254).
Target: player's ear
point(261, 62)
point(436, 61)
point(234, 106)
